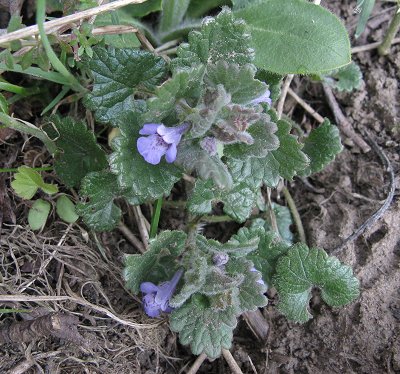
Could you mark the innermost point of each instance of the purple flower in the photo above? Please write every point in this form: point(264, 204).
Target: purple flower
point(264, 98)
point(156, 298)
point(220, 259)
point(260, 281)
point(161, 141)
point(209, 144)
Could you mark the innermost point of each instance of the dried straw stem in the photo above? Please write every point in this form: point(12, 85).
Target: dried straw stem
point(55, 25)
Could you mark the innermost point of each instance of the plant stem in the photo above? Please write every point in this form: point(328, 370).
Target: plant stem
point(196, 365)
point(54, 25)
point(52, 76)
point(18, 89)
point(14, 170)
point(295, 214)
point(57, 64)
point(29, 129)
point(231, 362)
point(394, 26)
point(156, 218)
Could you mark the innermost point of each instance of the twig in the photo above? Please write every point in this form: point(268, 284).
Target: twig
point(167, 45)
point(145, 42)
point(54, 25)
point(231, 362)
point(257, 324)
point(143, 225)
point(381, 211)
point(371, 46)
point(271, 213)
point(284, 92)
point(295, 214)
point(342, 121)
point(307, 107)
point(25, 365)
point(196, 365)
point(131, 237)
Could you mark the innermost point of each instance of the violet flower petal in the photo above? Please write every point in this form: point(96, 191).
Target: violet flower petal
point(172, 135)
point(149, 129)
point(152, 148)
point(264, 98)
point(151, 307)
point(170, 155)
point(166, 290)
point(260, 281)
point(148, 287)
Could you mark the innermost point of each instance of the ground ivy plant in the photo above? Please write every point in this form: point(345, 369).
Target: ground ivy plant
point(209, 113)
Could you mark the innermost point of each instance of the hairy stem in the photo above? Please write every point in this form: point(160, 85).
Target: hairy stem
point(394, 26)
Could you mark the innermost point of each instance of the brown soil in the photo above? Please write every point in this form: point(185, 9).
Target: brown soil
point(363, 337)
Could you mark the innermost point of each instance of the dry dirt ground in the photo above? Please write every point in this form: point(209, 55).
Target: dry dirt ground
point(363, 337)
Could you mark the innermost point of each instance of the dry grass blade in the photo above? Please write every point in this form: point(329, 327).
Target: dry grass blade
point(78, 300)
point(54, 25)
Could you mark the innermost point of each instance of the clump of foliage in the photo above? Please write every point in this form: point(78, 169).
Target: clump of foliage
point(208, 112)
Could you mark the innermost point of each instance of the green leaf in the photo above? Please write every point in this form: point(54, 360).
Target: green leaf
point(265, 140)
point(65, 209)
point(141, 10)
point(27, 181)
point(206, 330)
point(289, 156)
point(239, 202)
point(173, 12)
point(38, 214)
point(321, 146)
point(296, 37)
point(118, 75)
point(241, 4)
point(193, 158)
point(201, 199)
point(80, 153)
point(273, 80)
point(347, 78)
point(198, 8)
point(237, 80)
point(217, 281)
point(203, 116)
point(119, 17)
point(238, 246)
point(184, 84)
point(303, 268)
point(366, 10)
point(3, 104)
point(254, 171)
point(251, 293)
point(100, 213)
point(140, 180)
point(194, 277)
point(220, 38)
point(269, 250)
point(138, 268)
